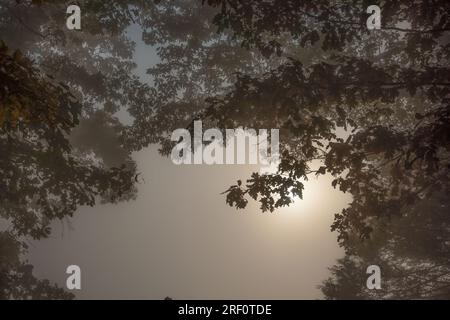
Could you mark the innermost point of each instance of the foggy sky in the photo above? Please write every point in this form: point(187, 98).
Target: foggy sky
point(180, 239)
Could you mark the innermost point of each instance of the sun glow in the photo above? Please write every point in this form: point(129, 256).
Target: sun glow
point(316, 190)
point(314, 193)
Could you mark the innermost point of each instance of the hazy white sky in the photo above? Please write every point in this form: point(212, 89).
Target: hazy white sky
point(180, 239)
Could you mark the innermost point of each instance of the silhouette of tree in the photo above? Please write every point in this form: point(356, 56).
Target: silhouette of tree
point(16, 277)
point(412, 253)
point(76, 82)
point(43, 178)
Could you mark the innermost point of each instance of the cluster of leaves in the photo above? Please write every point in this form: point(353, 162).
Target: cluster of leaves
point(195, 62)
point(335, 24)
point(412, 252)
point(24, 102)
point(309, 111)
point(16, 276)
point(42, 177)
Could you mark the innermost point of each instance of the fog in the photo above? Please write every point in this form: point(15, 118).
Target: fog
point(180, 239)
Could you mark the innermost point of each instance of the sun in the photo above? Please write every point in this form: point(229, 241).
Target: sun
point(318, 196)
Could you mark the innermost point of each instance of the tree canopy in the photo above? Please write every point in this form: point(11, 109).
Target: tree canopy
point(371, 105)
point(389, 91)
